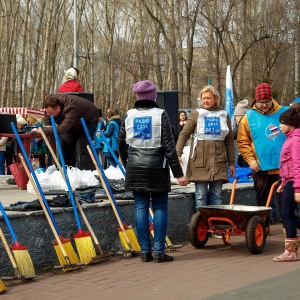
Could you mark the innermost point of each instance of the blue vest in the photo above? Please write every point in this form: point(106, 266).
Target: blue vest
point(267, 137)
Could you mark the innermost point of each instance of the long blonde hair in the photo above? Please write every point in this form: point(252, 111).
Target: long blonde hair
point(215, 93)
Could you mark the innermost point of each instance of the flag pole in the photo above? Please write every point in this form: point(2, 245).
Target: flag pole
point(229, 104)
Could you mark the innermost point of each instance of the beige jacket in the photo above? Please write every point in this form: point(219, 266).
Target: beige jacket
point(211, 158)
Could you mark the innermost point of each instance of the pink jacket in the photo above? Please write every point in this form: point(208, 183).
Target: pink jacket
point(290, 159)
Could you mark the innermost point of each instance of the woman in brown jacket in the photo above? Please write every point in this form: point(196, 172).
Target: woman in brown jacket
point(212, 148)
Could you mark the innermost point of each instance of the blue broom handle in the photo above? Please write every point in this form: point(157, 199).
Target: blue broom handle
point(101, 168)
point(117, 162)
point(62, 161)
point(8, 223)
point(25, 156)
point(112, 152)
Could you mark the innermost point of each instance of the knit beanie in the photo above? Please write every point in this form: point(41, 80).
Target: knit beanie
point(20, 119)
point(290, 117)
point(263, 92)
point(70, 74)
point(241, 108)
point(145, 90)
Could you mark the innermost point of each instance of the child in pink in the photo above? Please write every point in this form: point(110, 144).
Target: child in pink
point(290, 184)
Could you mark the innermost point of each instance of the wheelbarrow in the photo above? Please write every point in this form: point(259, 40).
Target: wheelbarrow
point(231, 219)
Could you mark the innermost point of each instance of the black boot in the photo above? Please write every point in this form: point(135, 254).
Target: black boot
point(147, 257)
point(162, 257)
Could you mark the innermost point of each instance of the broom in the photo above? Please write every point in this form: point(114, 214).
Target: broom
point(126, 233)
point(103, 256)
point(2, 287)
point(10, 255)
point(66, 254)
point(20, 252)
point(169, 244)
point(82, 239)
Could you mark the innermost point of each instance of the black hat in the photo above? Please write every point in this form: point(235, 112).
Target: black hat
point(290, 117)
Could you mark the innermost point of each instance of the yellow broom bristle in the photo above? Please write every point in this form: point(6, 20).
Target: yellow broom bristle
point(2, 287)
point(123, 241)
point(73, 257)
point(132, 239)
point(24, 262)
point(85, 248)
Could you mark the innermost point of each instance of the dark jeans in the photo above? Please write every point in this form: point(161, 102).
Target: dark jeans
point(9, 157)
point(262, 186)
point(69, 143)
point(160, 210)
point(290, 220)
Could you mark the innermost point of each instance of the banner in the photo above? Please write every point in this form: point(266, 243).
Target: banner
point(229, 95)
point(22, 111)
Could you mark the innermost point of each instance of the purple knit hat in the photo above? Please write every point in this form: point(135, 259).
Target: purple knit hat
point(145, 90)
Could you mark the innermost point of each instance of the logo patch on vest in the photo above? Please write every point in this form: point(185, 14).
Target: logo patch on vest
point(142, 128)
point(272, 131)
point(212, 125)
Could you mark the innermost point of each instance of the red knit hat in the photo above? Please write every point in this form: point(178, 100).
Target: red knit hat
point(263, 92)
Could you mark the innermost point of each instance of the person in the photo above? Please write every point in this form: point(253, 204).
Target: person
point(212, 148)
point(111, 133)
point(70, 83)
point(67, 111)
point(290, 182)
point(260, 140)
point(98, 141)
point(37, 145)
point(21, 123)
point(181, 120)
point(3, 141)
point(9, 154)
point(239, 112)
point(147, 150)
point(182, 116)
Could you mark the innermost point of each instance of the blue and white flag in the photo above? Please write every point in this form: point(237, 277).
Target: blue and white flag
point(229, 95)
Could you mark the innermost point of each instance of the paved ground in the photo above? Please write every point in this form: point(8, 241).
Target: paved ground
point(214, 272)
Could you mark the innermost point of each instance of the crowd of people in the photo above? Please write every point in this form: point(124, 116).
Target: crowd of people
point(265, 137)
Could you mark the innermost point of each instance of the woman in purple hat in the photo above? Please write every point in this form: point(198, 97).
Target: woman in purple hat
point(147, 149)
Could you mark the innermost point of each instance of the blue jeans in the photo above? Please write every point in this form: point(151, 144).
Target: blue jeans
point(110, 161)
point(288, 205)
point(160, 210)
point(2, 157)
point(215, 192)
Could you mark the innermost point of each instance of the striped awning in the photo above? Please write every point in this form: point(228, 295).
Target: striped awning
point(22, 111)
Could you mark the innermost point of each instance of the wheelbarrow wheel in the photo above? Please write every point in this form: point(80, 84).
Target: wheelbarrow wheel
point(198, 234)
point(256, 235)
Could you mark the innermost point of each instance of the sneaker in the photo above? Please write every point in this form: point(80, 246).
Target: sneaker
point(11, 181)
point(162, 257)
point(146, 257)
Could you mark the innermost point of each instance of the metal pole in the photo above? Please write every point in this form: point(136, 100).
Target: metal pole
point(75, 35)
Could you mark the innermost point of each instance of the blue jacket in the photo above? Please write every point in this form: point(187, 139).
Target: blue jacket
point(98, 142)
point(112, 135)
